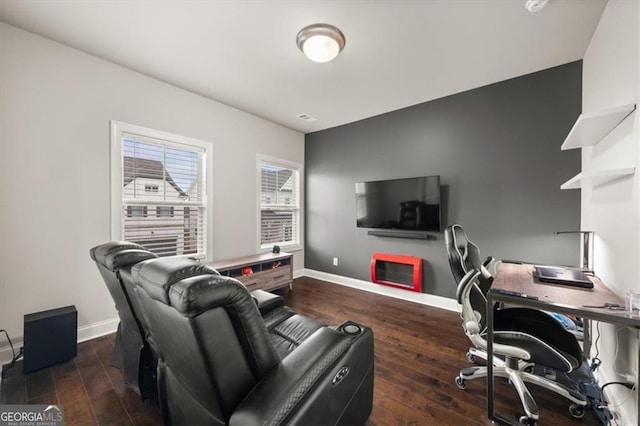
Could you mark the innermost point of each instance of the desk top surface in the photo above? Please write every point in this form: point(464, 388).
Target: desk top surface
point(516, 277)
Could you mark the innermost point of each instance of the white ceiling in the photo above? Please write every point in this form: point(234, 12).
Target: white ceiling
point(244, 53)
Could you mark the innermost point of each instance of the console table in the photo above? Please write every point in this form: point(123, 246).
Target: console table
point(267, 271)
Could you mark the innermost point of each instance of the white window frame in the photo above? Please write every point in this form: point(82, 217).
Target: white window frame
point(118, 129)
point(288, 247)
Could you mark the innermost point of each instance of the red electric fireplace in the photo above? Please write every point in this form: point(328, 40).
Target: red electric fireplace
point(397, 271)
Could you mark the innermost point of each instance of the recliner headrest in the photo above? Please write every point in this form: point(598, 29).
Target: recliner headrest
point(194, 295)
point(119, 254)
point(157, 276)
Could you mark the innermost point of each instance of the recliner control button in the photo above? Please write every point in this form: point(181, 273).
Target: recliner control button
point(341, 374)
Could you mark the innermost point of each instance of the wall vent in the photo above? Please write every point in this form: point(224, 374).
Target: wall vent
point(305, 117)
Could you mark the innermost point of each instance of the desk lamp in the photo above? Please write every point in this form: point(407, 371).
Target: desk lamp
point(586, 248)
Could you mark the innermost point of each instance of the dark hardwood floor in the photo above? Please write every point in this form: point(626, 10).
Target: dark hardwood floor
point(418, 352)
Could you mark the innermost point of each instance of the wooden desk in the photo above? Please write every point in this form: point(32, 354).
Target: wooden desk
point(554, 298)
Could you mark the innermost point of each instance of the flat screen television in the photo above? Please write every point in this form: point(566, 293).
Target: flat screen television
point(411, 204)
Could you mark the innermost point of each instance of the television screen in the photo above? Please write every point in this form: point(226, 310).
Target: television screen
point(411, 204)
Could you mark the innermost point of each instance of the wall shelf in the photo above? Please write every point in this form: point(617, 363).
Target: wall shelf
point(591, 127)
point(598, 177)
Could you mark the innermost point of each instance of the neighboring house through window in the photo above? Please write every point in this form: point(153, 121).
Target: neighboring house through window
point(166, 174)
point(136, 211)
point(164, 211)
point(279, 203)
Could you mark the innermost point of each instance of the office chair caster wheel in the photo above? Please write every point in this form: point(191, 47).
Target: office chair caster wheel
point(460, 382)
point(526, 421)
point(576, 411)
point(471, 357)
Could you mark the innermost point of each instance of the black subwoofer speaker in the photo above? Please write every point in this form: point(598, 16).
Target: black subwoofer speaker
point(50, 337)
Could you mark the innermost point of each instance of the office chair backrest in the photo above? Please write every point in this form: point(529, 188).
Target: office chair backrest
point(464, 256)
point(212, 343)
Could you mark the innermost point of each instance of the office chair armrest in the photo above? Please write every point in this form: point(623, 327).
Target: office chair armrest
point(489, 265)
point(472, 321)
point(301, 386)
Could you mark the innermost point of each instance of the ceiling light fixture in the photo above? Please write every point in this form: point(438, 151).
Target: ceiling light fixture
point(535, 5)
point(320, 42)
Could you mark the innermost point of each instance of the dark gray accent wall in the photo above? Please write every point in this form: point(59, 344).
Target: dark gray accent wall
point(497, 150)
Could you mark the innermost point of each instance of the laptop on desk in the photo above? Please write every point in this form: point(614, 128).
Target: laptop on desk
point(562, 276)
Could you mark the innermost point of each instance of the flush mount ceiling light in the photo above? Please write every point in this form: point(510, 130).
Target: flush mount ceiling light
point(535, 5)
point(320, 42)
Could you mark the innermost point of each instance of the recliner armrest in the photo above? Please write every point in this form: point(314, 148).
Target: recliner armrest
point(310, 368)
point(266, 301)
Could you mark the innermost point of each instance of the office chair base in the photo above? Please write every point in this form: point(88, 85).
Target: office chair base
point(473, 354)
point(517, 378)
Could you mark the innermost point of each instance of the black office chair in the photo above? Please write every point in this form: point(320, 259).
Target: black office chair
point(523, 337)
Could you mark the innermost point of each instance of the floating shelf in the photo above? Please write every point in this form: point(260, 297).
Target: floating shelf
point(591, 127)
point(597, 177)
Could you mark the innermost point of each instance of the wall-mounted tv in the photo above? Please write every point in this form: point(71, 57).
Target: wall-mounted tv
point(411, 204)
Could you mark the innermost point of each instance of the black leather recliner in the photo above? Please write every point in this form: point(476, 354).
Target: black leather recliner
point(132, 353)
point(221, 362)
point(523, 337)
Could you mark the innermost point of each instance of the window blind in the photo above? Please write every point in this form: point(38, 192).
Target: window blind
point(279, 204)
point(164, 196)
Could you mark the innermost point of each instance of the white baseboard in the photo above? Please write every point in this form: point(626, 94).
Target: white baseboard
point(621, 401)
point(5, 352)
point(411, 296)
point(97, 329)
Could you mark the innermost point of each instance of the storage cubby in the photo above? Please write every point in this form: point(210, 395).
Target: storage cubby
point(268, 271)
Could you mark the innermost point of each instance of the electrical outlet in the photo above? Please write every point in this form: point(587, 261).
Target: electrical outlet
point(335, 261)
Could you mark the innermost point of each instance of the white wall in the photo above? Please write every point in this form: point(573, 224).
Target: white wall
point(612, 211)
point(55, 107)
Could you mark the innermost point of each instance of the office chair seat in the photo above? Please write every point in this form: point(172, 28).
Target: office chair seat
point(543, 337)
point(522, 338)
point(520, 334)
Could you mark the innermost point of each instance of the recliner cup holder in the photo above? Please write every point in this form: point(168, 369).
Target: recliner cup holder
point(351, 329)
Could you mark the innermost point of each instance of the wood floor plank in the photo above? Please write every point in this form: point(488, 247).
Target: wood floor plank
point(418, 352)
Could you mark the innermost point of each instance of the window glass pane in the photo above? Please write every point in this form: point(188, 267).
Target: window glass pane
point(163, 195)
point(278, 184)
point(279, 212)
point(177, 230)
